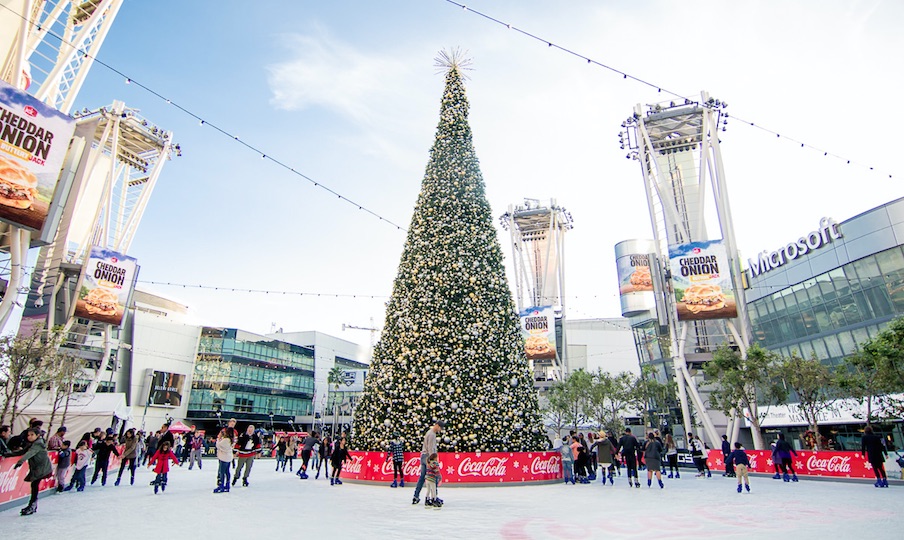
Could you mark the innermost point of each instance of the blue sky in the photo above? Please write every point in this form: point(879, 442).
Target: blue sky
point(346, 92)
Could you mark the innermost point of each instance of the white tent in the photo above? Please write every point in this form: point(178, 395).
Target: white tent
point(84, 414)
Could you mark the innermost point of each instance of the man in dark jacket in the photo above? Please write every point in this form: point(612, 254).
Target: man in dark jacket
point(628, 447)
point(726, 451)
point(308, 447)
point(102, 459)
point(166, 436)
point(872, 447)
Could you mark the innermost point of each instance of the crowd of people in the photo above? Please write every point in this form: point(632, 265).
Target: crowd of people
point(583, 457)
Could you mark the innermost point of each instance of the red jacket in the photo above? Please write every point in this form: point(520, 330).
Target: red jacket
point(163, 461)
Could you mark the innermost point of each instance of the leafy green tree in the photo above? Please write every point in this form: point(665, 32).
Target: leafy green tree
point(875, 372)
point(814, 384)
point(451, 346)
point(555, 407)
point(735, 381)
point(576, 395)
point(609, 398)
point(649, 394)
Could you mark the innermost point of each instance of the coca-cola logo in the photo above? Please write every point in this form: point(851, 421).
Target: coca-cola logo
point(545, 466)
point(9, 479)
point(494, 466)
point(355, 466)
point(412, 467)
point(837, 464)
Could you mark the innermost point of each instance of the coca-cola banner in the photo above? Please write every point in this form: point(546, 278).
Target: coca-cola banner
point(461, 467)
point(12, 481)
point(806, 463)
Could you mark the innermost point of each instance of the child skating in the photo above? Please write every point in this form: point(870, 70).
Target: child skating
point(162, 456)
point(64, 459)
point(433, 479)
point(738, 458)
point(82, 458)
point(224, 456)
point(397, 455)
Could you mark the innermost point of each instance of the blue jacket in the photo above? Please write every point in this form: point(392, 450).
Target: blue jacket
point(738, 457)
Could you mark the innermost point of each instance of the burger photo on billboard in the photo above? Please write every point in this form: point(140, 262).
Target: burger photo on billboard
point(18, 185)
point(101, 301)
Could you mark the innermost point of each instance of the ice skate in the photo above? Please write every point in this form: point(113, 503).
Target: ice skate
point(747, 487)
point(157, 488)
point(670, 475)
point(415, 500)
point(401, 483)
point(786, 478)
point(649, 483)
point(739, 488)
point(428, 503)
point(118, 480)
point(29, 510)
point(394, 483)
point(333, 482)
point(163, 487)
point(884, 483)
point(777, 476)
point(244, 482)
point(661, 484)
point(338, 482)
point(677, 475)
point(709, 474)
point(637, 484)
point(794, 477)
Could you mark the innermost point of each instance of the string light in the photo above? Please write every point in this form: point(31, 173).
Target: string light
point(658, 88)
point(263, 291)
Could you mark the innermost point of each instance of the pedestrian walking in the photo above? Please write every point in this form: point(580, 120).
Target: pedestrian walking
point(427, 447)
point(340, 455)
point(39, 467)
point(652, 454)
point(162, 458)
point(64, 459)
point(628, 448)
point(397, 455)
point(129, 455)
point(740, 464)
point(246, 449)
point(873, 448)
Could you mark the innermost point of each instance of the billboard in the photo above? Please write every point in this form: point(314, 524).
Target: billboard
point(634, 273)
point(166, 389)
point(538, 329)
point(34, 140)
point(352, 380)
point(107, 283)
point(701, 280)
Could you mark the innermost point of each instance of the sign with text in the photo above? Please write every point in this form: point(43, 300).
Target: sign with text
point(34, 139)
point(538, 330)
point(806, 463)
point(701, 279)
point(106, 286)
point(461, 467)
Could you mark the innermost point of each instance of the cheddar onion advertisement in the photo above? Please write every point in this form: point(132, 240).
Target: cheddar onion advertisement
point(701, 280)
point(106, 286)
point(634, 273)
point(34, 139)
point(538, 329)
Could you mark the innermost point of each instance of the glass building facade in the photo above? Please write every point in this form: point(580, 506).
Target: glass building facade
point(838, 296)
point(249, 377)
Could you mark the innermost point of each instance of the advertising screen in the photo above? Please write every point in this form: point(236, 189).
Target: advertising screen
point(166, 389)
point(538, 329)
point(702, 281)
point(34, 139)
point(106, 286)
point(352, 380)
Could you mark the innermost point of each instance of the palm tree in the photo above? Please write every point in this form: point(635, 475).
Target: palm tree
point(334, 378)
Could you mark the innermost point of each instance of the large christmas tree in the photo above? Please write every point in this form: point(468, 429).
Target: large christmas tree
point(451, 347)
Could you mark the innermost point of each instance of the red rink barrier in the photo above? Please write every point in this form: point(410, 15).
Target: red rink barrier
point(12, 481)
point(806, 463)
point(460, 467)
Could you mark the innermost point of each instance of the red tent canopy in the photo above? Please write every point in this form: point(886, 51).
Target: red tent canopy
point(179, 427)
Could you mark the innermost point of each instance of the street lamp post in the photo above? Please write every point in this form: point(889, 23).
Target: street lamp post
point(271, 421)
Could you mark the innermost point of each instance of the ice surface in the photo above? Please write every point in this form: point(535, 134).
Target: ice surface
point(280, 503)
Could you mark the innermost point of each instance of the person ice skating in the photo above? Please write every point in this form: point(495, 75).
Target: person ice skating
point(581, 460)
point(291, 450)
point(873, 448)
point(281, 445)
point(696, 448)
point(433, 479)
point(397, 455)
point(39, 467)
point(224, 457)
point(567, 459)
point(783, 452)
point(162, 457)
point(247, 447)
point(628, 447)
point(82, 459)
point(55, 443)
point(726, 450)
point(652, 456)
point(427, 447)
point(326, 450)
point(593, 458)
point(102, 459)
point(306, 449)
point(340, 456)
point(64, 459)
point(740, 464)
point(197, 450)
point(604, 450)
point(129, 456)
point(151, 442)
point(671, 454)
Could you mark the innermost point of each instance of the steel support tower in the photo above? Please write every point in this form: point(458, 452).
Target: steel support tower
point(538, 257)
point(677, 146)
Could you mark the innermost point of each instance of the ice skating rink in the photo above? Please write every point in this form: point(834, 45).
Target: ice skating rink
point(281, 505)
